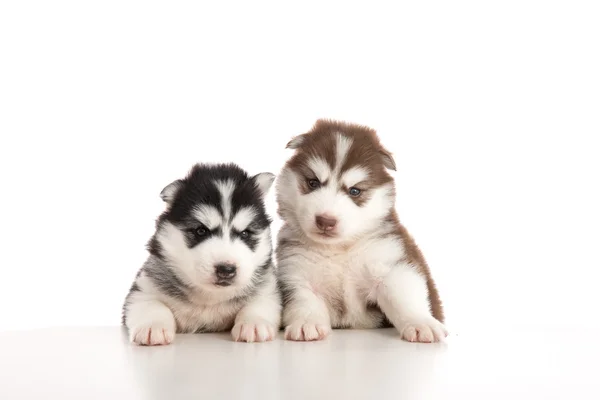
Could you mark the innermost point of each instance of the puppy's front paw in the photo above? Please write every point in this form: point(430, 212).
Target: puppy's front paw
point(300, 331)
point(427, 330)
point(153, 335)
point(253, 331)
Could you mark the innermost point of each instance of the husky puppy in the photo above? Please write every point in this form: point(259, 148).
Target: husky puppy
point(209, 267)
point(344, 260)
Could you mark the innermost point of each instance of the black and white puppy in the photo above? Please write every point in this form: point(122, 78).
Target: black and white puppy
point(210, 264)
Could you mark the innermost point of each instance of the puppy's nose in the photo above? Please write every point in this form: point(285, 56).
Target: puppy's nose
point(325, 222)
point(225, 271)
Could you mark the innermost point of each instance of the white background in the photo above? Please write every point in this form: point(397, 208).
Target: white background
point(492, 110)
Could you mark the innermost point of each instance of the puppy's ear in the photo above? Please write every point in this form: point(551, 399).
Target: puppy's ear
point(388, 160)
point(263, 182)
point(296, 141)
point(169, 192)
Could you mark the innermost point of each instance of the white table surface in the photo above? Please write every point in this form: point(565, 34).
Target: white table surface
point(99, 363)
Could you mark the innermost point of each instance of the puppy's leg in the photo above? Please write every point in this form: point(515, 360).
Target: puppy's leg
point(260, 318)
point(403, 297)
point(305, 316)
point(149, 321)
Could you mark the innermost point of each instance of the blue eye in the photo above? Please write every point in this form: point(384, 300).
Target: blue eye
point(354, 192)
point(314, 183)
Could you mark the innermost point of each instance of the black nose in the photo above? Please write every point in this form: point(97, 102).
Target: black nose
point(225, 271)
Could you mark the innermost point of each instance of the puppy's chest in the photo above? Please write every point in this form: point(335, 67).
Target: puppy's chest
point(347, 283)
point(196, 316)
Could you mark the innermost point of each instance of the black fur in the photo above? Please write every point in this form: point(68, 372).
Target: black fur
point(251, 240)
point(134, 288)
point(193, 238)
point(165, 279)
point(198, 188)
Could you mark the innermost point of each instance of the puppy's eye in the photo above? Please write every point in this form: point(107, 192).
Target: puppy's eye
point(354, 192)
point(244, 234)
point(314, 183)
point(201, 231)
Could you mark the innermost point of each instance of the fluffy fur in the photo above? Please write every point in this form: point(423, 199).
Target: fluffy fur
point(344, 259)
point(210, 267)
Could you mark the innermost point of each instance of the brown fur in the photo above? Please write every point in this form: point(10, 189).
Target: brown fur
point(416, 258)
point(366, 151)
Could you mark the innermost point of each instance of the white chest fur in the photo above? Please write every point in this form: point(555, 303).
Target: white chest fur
point(346, 280)
point(192, 316)
point(196, 313)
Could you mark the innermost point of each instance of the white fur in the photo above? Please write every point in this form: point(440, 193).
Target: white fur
point(343, 144)
point(226, 188)
point(209, 216)
point(259, 319)
point(243, 218)
point(353, 221)
point(150, 321)
point(320, 168)
point(197, 264)
point(153, 317)
point(323, 276)
point(151, 310)
point(264, 181)
point(175, 249)
point(362, 264)
point(331, 200)
point(354, 175)
point(402, 296)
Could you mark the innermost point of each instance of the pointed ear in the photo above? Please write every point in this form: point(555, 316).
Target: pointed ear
point(296, 142)
point(388, 160)
point(264, 181)
point(169, 192)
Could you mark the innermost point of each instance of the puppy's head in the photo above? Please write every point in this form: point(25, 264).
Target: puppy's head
point(336, 186)
point(215, 229)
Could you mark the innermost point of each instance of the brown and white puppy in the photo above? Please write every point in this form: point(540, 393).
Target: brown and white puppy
point(344, 259)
